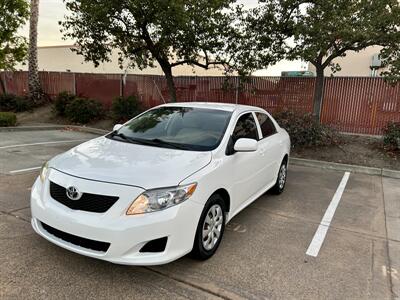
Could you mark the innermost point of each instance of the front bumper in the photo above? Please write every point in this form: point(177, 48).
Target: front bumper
point(126, 234)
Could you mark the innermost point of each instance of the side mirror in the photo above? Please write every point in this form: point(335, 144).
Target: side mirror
point(245, 145)
point(117, 127)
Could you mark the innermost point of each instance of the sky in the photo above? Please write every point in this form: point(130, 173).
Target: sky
point(53, 11)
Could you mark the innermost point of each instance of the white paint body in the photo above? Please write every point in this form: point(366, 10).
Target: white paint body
point(109, 167)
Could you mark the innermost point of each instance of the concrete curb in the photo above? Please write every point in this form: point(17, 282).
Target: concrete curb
point(55, 127)
point(344, 167)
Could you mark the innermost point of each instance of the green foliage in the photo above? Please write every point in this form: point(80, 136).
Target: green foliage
point(7, 119)
point(81, 110)
point(391, 137)
point(319, 31)
point(169, 32)
point(391, 59)
point(61, 102)
point(305, 130)
point(23, 104)
point(13, 14)
point(324, 30)
point(10, 102)
point(125, 108)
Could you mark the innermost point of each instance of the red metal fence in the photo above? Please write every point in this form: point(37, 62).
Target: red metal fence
point(360, 105)
point(351, 104)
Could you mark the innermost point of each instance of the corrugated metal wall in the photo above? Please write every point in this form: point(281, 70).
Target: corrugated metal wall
point(360, 104)
point(351, 104)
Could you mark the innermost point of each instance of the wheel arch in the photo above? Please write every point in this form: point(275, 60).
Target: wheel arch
point(225, 196)
point(285, 158)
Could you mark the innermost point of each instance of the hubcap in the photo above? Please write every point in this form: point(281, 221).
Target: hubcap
point(282, 176)
point(212, 227)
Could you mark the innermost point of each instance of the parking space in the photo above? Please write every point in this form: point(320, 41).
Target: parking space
point(263, 253)
point(24, 150)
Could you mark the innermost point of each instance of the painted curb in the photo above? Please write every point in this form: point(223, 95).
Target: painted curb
point(344, 167)
point(55, 127)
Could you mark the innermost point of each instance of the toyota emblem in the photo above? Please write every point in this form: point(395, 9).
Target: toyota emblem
point(73, 193)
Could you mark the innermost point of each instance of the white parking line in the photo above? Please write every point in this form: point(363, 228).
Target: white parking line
point(323, 227)
point(24, 170)
point(42, 143)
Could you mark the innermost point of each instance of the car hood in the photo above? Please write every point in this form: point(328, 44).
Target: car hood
point(118, 162)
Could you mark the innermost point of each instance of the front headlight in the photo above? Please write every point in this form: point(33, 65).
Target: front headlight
point(44, 171)
point(158, 199)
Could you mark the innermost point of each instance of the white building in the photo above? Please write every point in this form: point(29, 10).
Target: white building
point(63, 59)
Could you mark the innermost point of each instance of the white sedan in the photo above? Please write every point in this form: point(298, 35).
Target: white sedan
point(162, 185)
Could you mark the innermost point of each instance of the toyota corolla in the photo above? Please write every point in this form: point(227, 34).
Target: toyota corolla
point(162, 185)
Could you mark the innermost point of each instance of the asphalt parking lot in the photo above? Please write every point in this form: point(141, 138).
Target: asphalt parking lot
point(263, 253)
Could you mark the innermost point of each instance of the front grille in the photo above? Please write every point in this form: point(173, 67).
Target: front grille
point(77, 240)
point(88, 202)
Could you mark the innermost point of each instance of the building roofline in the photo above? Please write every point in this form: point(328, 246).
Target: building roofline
point(57, 46)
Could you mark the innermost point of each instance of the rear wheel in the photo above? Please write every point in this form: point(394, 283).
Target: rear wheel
point(281, 180)
point(210, 228)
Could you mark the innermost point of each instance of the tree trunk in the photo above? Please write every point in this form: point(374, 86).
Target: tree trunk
point(35, 90)
point(3, 85)
point(170, 81)
point(318, 92)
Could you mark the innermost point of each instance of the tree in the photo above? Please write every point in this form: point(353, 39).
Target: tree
point(319, 31)
point(260, 35)
point(13, 14)
point(390, 55)
point(169, 32)
point(35, 89)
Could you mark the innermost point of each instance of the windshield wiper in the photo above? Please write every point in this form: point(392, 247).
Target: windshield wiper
point(121, 135)
point(129, 139)
point(152, 142)
point(172, 145)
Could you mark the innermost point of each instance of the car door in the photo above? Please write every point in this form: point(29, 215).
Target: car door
point(244, 167)
point(269, 147)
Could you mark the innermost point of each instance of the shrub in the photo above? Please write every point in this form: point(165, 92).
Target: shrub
point(7, 119)
point(305, 130)
point(125, 108)
point(7, 102)
point(391, 137)
point(10, 102)
point(23, 104)
point(61, 102)
point(81, 110)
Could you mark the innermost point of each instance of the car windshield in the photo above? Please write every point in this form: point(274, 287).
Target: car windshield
point(187, 128)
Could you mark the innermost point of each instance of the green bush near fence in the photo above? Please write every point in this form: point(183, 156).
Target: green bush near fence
point(61, 102)
point(125, 108)
point(391, 137)
point(10, 102)
point(7, 119)
point(82, 111)
point(305, 130)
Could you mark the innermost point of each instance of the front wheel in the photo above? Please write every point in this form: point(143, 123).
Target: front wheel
point(210, 228)
point(281, 180)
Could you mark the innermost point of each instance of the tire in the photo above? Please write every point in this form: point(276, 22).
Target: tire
point(281, 179)
point(213, 213)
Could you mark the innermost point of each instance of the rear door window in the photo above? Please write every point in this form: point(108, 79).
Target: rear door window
point(267, 126)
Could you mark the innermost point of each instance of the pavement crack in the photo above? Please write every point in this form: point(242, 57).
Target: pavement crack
point(18, 209)
point(220, 293)
point(15, 216)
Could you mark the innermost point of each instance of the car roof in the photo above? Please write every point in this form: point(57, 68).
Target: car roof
point(214, 105)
